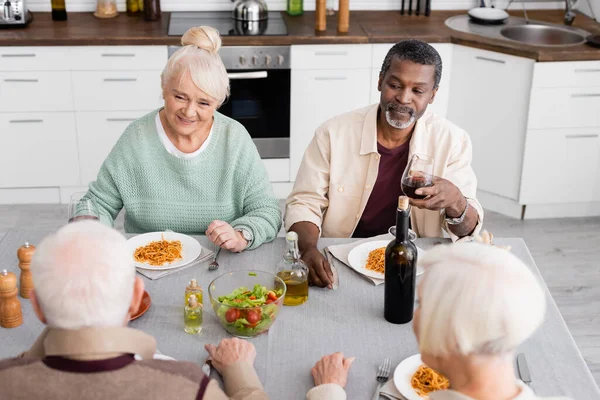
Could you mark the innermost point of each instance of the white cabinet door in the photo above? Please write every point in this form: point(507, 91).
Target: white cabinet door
point(440, 104)
point(489, 98)
point(564, 107)
point(318, 95)
point(35, 91)
point(561, 166)
point(97, 133)
point(116, 90)
point(38, 150)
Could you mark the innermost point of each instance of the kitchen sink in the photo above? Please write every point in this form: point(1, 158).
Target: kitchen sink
point(542, 35)
point(520, 30)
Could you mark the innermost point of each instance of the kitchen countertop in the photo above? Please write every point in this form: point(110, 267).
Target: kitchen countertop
point(365, 27)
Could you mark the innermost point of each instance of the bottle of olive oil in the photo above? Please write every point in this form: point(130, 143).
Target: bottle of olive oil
point(292, 270)
point(400, 270)
point(295, 7)
point(192, 316)
point(59, 10)
point(193, 289)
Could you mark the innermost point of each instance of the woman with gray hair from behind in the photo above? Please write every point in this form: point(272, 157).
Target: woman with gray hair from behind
point(476, 305)
point(186, 167)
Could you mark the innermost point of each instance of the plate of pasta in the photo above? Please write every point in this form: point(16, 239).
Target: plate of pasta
point(415, 380)
point(369, 258)
point(163, 250)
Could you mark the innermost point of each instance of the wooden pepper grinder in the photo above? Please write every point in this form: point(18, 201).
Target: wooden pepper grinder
point(10, 308)
point(320, 15)
point(343, 16)
point(24, 255)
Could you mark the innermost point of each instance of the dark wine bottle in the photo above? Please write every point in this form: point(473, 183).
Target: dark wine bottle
point(400, 270)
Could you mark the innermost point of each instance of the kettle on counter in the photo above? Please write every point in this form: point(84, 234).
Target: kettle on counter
point(250, 10)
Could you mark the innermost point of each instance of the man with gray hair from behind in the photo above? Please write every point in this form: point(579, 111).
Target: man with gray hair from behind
point(476, 305)
point(86, 290)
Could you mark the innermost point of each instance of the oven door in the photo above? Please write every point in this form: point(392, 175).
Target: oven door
point(260, 100)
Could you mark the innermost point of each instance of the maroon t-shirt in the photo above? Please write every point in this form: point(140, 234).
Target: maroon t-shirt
point(380, 211)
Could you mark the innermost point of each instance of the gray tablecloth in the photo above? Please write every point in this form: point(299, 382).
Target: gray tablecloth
point(348, 320)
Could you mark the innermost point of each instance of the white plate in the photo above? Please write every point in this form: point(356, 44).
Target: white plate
point(358, 258)
point(190, 248)
point(403, 374)
point(488, 14)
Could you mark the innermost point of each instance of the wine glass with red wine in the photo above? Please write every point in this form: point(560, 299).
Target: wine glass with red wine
point(418, 174)
point(82, 207)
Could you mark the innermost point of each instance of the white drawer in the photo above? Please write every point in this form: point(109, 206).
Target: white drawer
point(97, 133)
point(566, 74)
point(350, 56)
point(34, 59)
point(116, 90)
point(119, 58)
point(278, 169)
point(564, 108)
point(38, 150)
point(35, 91)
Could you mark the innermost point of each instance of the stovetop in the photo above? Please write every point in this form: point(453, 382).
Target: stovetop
point(180, 22)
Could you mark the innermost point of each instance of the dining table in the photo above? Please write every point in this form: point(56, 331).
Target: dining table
point(349, 320)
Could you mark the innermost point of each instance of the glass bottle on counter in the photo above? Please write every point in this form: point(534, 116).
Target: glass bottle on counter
point(106, 9)
point(59, 10)
point(400, 270)
point(295, 7)
point(294, 272)
point(133, 7)
point(192, 316)
point(193, 289)
point(152, 10)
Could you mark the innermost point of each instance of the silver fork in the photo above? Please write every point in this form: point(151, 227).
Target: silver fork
point(383, 374)
point(214, 265)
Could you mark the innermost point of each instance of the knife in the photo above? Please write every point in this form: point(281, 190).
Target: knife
point(523, 369)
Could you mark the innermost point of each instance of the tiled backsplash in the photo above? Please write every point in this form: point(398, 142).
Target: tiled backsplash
point(274, 5)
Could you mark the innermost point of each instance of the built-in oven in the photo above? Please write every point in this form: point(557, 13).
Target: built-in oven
point(260, 95)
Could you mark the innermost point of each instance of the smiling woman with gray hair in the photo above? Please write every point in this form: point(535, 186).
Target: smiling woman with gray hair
point(477, 304)
point(185, 166)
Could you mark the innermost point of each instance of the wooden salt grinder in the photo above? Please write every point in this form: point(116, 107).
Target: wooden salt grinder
point(343, 16)
point(24, 255)
point(320, 15)
point(10, 308)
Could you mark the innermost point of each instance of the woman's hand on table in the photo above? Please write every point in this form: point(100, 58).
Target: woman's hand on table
point(320, 273)
point(223, 235)
point(332, 369)
point(230, 351)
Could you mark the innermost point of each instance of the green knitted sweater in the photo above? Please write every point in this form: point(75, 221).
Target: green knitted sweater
point(227, 181)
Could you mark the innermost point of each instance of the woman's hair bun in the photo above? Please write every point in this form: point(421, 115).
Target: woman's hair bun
point(203, 37)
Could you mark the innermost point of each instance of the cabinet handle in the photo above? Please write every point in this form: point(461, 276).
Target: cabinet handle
point(331, 53)
point(490, 59)
point(26, 121)
point(587, 70)
point(22, 80)
point(582, 136)
point(17, 55)
point(118, 55)
point(120, 79)
point(120, 119)
point(585, 95)
point(330, 78)
point(248, 75)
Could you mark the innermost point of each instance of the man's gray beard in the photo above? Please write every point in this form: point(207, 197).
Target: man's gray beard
point(398, 124)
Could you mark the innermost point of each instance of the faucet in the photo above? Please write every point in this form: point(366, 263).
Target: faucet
point(569, 13)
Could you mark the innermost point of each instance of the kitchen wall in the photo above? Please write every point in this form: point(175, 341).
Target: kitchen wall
point(205, 5)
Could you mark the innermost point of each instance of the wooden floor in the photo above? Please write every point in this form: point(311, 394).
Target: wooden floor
point(567, 252)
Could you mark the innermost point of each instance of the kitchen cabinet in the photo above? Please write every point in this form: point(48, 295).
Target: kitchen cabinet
point(440, 103)
point(562, 152)
point(561, 166)
point(38, 150)
point(35, 91)
point(327, 80)
point(489, 98)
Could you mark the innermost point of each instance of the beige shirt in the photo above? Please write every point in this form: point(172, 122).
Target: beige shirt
point(240, 379)
point(333, 391)
point(340, 167)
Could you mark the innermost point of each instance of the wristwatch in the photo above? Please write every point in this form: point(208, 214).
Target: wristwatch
point(246, 234)
point(460, 219)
